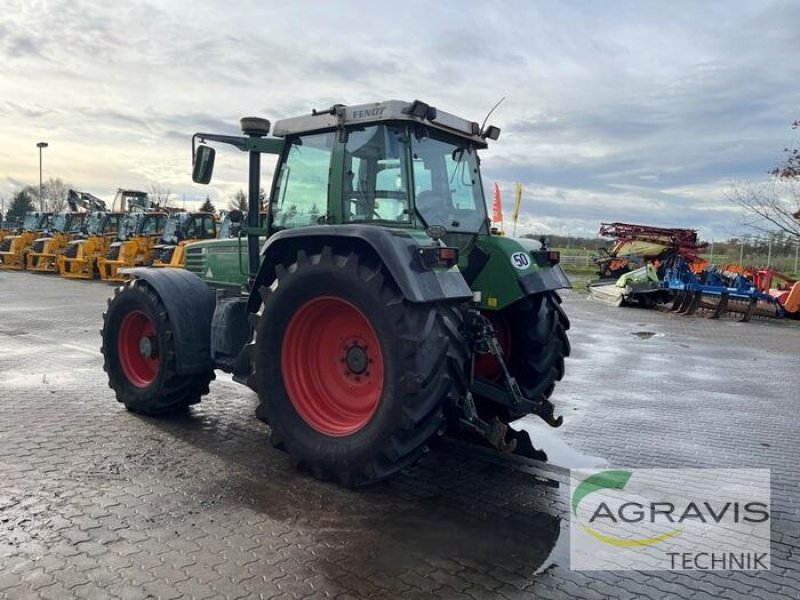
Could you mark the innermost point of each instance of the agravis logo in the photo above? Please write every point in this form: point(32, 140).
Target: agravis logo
point(670, 519)
point(611, 480)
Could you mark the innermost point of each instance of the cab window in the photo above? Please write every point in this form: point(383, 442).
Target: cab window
point(376, 184)
point(447, 188)
point(209, 227)
point(302, 194)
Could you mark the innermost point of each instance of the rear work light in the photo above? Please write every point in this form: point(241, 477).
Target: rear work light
point(438, 257)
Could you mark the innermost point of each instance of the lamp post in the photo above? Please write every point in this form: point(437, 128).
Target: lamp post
point(41, 145)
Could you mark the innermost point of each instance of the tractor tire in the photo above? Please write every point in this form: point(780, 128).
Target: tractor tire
point(139, 354)
point(533, 335)
point(351, 377)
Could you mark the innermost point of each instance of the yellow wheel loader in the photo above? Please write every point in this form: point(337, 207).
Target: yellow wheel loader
point(79, 259)
point(180, 230)
point(44, 251)
point(14, 247)
point(134, 246)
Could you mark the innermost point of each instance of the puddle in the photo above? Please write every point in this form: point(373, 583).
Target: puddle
point(559, 554)
point(428, 535)
point(646, 335)
point(558, 452)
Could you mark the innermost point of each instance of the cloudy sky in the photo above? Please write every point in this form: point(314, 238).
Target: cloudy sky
point(638, 111)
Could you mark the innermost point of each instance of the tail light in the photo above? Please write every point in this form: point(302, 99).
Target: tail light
point(438, 257)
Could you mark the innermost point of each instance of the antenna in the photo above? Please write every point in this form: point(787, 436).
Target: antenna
point(499, 102)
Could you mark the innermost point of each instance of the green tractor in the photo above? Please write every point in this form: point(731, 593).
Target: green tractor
point(372, 310)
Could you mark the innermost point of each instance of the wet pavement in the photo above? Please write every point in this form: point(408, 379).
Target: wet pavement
point(99, 503)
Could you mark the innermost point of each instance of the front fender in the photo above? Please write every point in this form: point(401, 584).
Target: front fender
point(504, 270)
point(190, 308)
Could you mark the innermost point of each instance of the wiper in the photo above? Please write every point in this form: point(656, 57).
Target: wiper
point(461, 168)
point(460, 153)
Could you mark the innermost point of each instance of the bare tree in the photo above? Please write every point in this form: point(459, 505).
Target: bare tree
point(774, 206)
point(160, 195)
point(770, 207)
point(238, 201)
point(790, 169)
point(55, 194)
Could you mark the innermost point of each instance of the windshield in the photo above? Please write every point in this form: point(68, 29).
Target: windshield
point(30, 221)
point(171, 229)
point(128, 226)
point(376, 175)
point(76, 222)
point(152, 224)
point(447, 184)
point(231, 225)
point(93, 222)
point(59, 222)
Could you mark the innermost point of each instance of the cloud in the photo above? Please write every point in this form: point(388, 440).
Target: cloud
point(646, 112)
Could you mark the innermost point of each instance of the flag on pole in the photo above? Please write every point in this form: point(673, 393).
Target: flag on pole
point(517, 204)
point(497, 208)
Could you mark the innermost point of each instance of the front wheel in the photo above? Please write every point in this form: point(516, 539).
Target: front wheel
point(139, 354)
point(351, 376)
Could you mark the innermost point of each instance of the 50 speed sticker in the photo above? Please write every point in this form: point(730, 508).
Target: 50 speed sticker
point(520, 260)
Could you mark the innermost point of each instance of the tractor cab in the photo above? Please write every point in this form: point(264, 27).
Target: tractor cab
point(62, 228)
point(99, 223)
point(181, 229)
point(35, 221)
point(387, 167)
point(92, 224)
point(79, 258)
point(66, 222)
point(185, 226)
point(395, 174)
point(141, 224)
point(139, 232)
point(14, 248)
point(128, 226)
point(230, 225)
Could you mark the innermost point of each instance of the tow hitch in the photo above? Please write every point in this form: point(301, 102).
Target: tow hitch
point(481, 334)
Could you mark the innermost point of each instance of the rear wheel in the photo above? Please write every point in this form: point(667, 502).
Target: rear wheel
point(139, 352)
point(351, 376)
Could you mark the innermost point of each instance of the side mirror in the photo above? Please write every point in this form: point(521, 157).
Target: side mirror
point(491, 132)
point(203, 165)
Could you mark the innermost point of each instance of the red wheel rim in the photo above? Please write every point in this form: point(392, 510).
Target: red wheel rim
point(486, 365)
point(137, 347)
point(332, 366)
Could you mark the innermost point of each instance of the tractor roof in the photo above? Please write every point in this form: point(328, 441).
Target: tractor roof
point(376, 112)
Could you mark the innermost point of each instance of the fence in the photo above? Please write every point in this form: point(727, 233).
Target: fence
point(789, 265)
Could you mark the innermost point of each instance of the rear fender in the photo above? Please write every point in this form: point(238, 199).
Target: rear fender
point(397, 249)
point(190, 308)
